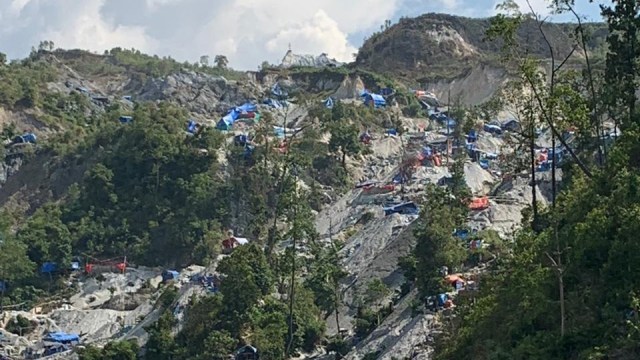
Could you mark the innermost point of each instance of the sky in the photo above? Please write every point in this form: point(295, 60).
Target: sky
point(248, 32)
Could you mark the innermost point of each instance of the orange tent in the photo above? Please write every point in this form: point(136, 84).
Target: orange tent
point(453, 278)
point(480, 203)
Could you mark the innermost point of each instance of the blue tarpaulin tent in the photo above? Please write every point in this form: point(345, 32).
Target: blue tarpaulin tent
point(247, 107)
point(48, 267)
point(461, 233)
point(75, 265)
point(277, 91)
point(328, 103)
point(191, 126)
point(545, 166)
point(126, 119)
point(484, 163)
point(224, 124)
point(472, 136)
point(29, 138)
point(169, 275)
point(442, 298)
point(62, 337)
point(278, 131)
point(392, 132)
point(427, 151)
point(374, 100)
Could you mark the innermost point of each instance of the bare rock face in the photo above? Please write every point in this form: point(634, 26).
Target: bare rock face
point(350, 88)
point(200, 93)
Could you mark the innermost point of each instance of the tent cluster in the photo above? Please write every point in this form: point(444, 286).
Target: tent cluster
point(245, 111)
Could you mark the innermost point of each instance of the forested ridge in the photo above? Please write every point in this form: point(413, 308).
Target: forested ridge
point(568, 288)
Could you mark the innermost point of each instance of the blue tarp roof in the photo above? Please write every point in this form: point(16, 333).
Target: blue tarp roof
point(191, 126)
point(126, 119)
point(442, 298)
point(29, 137)
point(170, 275)
point(247, 107)
point(224, 124)
point(48, 267)
point(62, 337)
point(277, 91)
point(375, 97)
point(328, 103)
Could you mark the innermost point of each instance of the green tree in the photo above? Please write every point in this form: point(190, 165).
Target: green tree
point(221, 61)
point(344, 138)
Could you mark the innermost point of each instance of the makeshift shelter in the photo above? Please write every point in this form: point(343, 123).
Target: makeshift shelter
point(51, 348)
point(233, 242)
point(328, 103)
point(247, 352)
point(484, 163)
point(48, 268)
point(391, 132)
point(442, 299)
point(278, 92)
point(475, 244)
point(374, 100)
point(29, 138)
point(480, 203)
point(461, 233)
point(365, 137)
point(125, 119)
point(192, 126)
point(62, 337)
point(472, 136)
point(408, 208)
point(224, 124)
point(511, 125)
point(365, 184)
point(169, 275)
point(247, 107)
point(493, 129)
point(379, 189)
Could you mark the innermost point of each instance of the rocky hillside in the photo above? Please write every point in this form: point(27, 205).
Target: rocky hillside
point(437, 49)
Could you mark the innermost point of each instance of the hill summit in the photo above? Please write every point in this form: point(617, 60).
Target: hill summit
point(435, 46)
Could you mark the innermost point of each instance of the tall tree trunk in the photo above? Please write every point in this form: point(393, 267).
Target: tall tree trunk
point(532, 152)
point(293, 279)
point(336, 305)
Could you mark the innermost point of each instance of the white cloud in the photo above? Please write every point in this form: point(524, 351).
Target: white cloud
point(89, 30)
point(318, 32)
point(69, 24)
